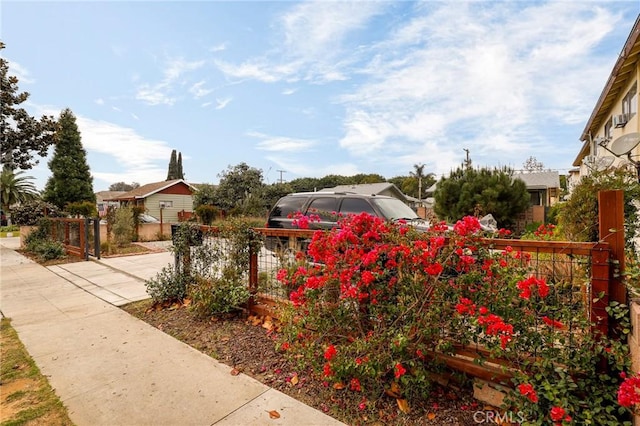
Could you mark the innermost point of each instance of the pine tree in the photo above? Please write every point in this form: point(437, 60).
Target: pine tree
point(180, 172)
point(71, 179)
point(172, 173)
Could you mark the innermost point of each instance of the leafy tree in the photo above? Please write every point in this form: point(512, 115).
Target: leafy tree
point(272, 193)
point(363, 178)
point(121, 186)
point(175, 167)
point(22, 135)
point(82, 208)
point(71, 179)
point(477, 192)
point(532, 165)
point(31, 212)
point(578, 217)
point(409, 185)
point(306, 184)
point(237, 184)
point(15, 188)
point(206, 213)
point(205, 195)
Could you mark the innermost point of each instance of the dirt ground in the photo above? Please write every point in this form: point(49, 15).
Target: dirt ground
point(244, 344)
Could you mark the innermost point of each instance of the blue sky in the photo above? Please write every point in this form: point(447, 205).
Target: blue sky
point(315, 88)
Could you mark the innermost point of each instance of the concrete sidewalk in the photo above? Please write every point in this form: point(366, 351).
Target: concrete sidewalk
point(110, 368)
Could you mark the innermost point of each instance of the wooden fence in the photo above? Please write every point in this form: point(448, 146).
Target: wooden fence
point(80, 237)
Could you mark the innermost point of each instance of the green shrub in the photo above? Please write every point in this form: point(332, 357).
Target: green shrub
point(169, 285)
point(30, 212)
point(82, 208)
point(40, 243)
point(12, 228)
point(207, 213)
point(49, 250)
point(217, 296)
point(123, 226)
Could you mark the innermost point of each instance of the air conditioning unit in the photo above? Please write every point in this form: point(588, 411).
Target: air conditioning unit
point(620, 120)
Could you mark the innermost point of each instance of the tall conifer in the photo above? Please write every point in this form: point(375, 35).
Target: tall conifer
point(71, 179)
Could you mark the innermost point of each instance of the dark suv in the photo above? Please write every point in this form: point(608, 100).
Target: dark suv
point(328, 206)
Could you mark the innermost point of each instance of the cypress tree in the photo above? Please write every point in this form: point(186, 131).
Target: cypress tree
point(180, 172)
point(173, 167)
point(71, 179)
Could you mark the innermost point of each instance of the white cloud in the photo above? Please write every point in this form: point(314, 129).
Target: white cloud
point(312, 46)
point(162, 92)
point(135, 117)
point(99, 101)
point(115, 108)
point(222, 103)
point(20, 72)
point(281, 143)
point(218, 47)
point(206, 104)
point(489, 78)
point(288, 92)
point(141, 159)
point(198, 91)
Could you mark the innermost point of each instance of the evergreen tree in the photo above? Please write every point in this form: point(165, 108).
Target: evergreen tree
point(180, 172)
point(175, 166)
point(477, 192)
point(71, 179)
point(22, 135)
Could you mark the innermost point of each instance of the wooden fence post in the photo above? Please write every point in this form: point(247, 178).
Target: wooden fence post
point(253, 277)
point(611, 230)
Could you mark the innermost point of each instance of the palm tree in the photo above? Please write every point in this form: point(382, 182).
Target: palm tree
point(15, 188)
point(418, 174)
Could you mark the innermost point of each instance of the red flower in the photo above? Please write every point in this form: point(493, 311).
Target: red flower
point(525, 287)
point(330, 353)
point(552, 322)
point(400, 370)
point(285, 346)
point(557, 413)
point(327, 370)
point(527, 390)
point(629, 391)
point(354, 385)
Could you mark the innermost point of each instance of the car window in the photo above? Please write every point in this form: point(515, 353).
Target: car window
point(393, 209)
point(288, 206)
point(325, 207)
point(356, 206)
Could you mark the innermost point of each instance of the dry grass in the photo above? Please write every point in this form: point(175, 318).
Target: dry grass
point(26, 398)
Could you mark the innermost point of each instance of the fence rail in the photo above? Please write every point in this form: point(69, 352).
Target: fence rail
point(80, 237)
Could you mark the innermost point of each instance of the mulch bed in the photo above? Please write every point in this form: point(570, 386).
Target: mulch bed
point(246, 346)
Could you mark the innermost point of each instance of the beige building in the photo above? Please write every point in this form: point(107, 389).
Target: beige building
point(613, 130)
point(170, 200)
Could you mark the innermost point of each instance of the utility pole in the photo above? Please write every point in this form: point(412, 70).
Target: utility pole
point(467, 162)
point(281, 172)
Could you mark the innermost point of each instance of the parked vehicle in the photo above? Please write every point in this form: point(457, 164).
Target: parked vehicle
point(145, 218)
point(330, 206)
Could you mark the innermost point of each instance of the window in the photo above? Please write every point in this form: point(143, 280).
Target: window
point(630, 102)
point(166, 204)
point(288, 206)
point(607, 129)
point(323, 207)
point(356, 206)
